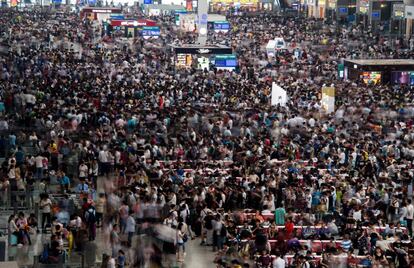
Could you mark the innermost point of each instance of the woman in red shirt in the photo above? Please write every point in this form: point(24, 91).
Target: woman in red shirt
point(289, 227)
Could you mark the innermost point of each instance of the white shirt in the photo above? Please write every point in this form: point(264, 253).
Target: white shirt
point(39, 161)
point(103, 157)
point(83, 171)
point(410, 212)
point(46, 205)
point(111, 263)
point(130, 225)
point(357, 215)
point(279, 263)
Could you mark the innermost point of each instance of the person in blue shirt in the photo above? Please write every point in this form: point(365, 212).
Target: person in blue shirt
point(82, 187)
point(12, 140)
point(121, 259)
point(19, 156)
point(64, 182)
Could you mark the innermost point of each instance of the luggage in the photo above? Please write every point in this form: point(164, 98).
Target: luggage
point(13, 240)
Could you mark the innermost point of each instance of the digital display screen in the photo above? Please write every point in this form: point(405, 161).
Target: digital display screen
point(403, 78)
point(151, 31)
point(399, 14)
point(226, 61)
point(221, 26)
point(375, 14)
point(184, 60)
point(231, 63)
point(343, 10)
point(371, 77)
point(117, 17)
point(147, 2)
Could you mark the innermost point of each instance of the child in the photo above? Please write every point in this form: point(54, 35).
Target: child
point(121, 259)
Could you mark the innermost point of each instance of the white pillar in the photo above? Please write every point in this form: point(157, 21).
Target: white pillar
point(202, 21)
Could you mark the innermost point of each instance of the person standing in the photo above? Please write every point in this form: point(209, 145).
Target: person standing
point(103, 158)
point(39, 166)
point(409, 217)
point(83, 171)
point(278, 262)
point(179, 243)
point(94, 172)
point(100, 208)
point(130, 227)
point(64, 182)
point(90, 217)
point(45, 206)
point(120, 261)
point(13, 230)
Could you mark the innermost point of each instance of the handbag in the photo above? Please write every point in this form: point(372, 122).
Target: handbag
point(185, 238)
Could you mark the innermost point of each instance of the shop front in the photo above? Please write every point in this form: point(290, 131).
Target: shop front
point(131, 27)
point(266, 5)
point(393, 71)
point(234, 6)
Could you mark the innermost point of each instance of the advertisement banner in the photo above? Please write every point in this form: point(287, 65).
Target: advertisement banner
point(279, 95)
point(398, 11)
point(187, 22)
point(409, 12)
point(328, 99)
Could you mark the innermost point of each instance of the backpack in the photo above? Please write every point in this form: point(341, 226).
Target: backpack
point(90, 215)
point(223, 231)
point(44, 258)
point(208, 222)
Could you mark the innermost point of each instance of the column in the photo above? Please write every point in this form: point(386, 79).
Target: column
point(202, 13)
point(408, 28)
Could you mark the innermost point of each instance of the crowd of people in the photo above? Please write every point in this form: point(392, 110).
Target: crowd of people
point(159, 156)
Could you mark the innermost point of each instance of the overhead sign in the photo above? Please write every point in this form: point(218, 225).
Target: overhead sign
point(376, 15)
point(101, 11)
point(223, 26)
point(242, 2)
point(409, 12)
point(341, 68)
point(279, 95)
point(151, 31)
point(117, 16)
point(343, 11)
point(177, 15)
point(328, 99)
point(226, 61)
point(133, 23)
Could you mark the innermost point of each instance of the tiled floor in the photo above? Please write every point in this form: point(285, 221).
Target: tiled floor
point(196, 255)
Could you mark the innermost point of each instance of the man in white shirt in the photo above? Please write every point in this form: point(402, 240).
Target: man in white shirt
point(278, 262)
point(409, 217)
point(83, 171)
point(39, 166)
point(103, 161)
point(130, 227)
